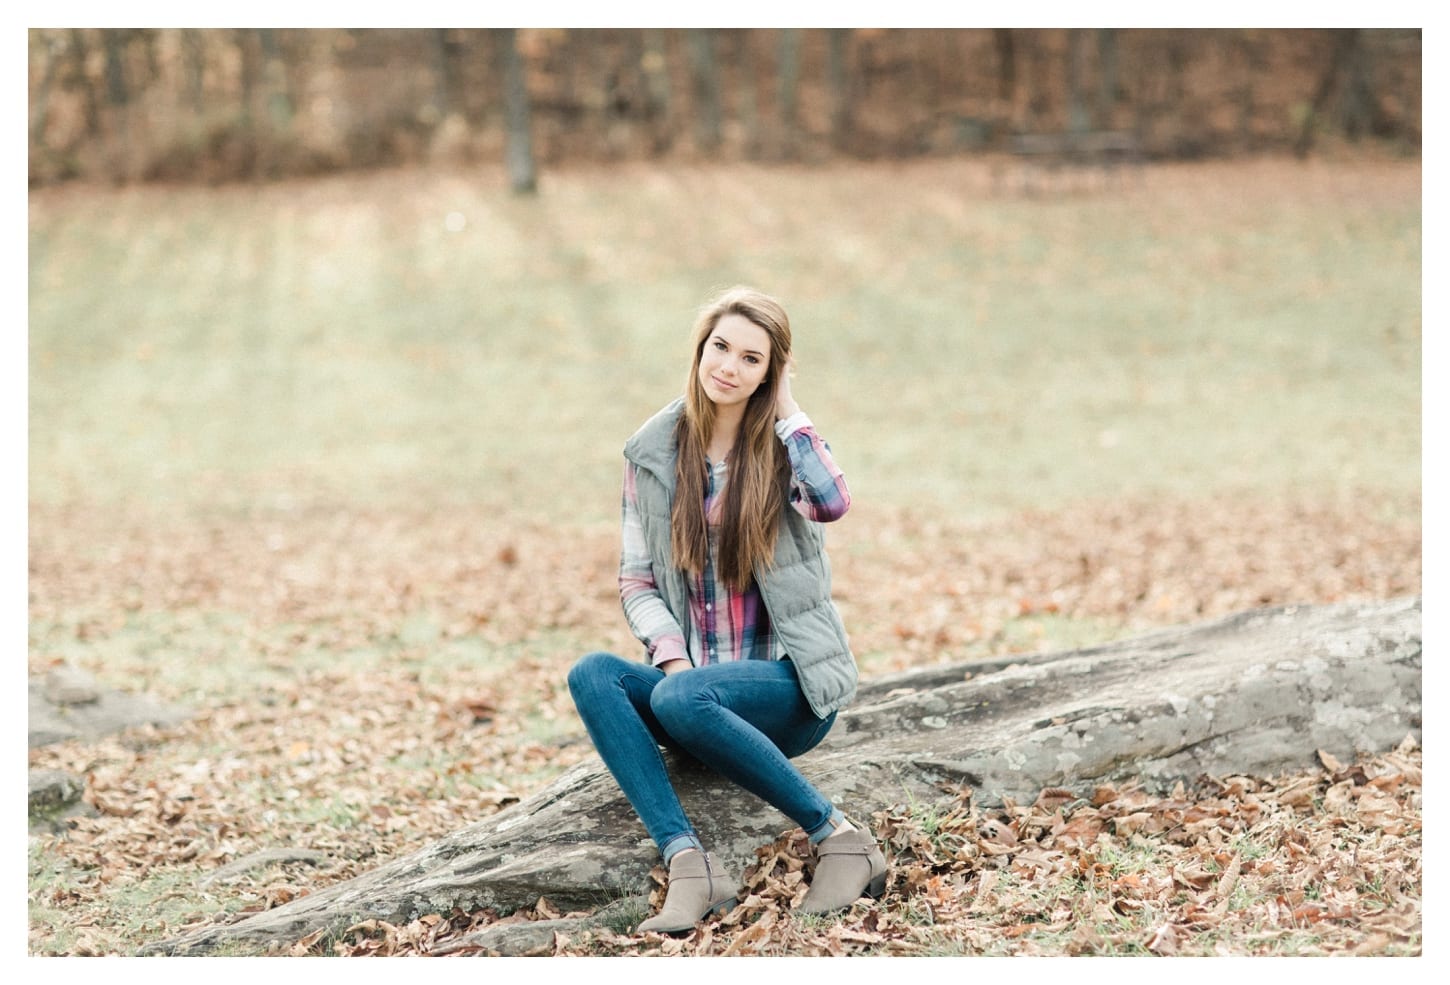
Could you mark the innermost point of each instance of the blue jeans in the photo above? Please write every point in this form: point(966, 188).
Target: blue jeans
point(743, 719)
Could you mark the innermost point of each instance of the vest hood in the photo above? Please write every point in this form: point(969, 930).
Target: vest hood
point(653, 446)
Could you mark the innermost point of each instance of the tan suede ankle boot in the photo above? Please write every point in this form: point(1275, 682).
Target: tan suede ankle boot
point(698, 887)
point(849, 865)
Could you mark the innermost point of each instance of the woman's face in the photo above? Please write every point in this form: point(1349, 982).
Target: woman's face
point(734, 361)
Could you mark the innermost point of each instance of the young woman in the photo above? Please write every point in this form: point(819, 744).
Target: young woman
point(724, 579)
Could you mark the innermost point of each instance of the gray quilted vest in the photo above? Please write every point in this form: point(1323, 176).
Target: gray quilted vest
point(796, 589)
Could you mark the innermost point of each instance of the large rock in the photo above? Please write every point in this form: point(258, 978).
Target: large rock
point(1258, 693)
point(54, 798)
point(66, 703)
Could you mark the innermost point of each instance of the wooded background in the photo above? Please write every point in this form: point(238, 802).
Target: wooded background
point(216, 105)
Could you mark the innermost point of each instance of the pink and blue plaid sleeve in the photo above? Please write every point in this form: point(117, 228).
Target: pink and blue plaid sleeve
point(818, 489)
point(644, 608)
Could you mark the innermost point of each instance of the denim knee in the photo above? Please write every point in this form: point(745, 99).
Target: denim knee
point(590, 672)
point(675, 702)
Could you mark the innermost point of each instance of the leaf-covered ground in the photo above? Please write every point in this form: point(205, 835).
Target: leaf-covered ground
point(366, 682)
point(277, 453)
point(1324, 862)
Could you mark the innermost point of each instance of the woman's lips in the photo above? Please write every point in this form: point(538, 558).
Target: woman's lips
point(722, 384)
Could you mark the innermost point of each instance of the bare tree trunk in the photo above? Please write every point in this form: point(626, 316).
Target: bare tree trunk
point(147, 37)
point(247, 79)
point(655, 64)
point(523, 177)
point(117, 93)
point(749, 76)
point(1177, 50)
point(1360, 114)
point(475, 70)
point(193, 49)
point(1244, 53)
point(568, 69)
point(118, 99)
point(247, 137)
point(1340, 53)
point(1034, 56)
point(1006, 48)
point(1078, 119)
point(838, 74)
point(50, 49)
point(707, 89)
point(91, 110)
point(1367, 83)
point(274, 74)
point(788, 89)
point(442, 73)
point(1109, 90)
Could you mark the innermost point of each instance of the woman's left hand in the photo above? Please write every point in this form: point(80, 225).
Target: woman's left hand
point(785, 404)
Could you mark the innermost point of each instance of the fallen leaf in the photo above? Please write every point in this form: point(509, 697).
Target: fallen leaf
point(1164, 940)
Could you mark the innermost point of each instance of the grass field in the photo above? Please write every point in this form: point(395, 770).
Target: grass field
point(337, 461)
point(1253, 327)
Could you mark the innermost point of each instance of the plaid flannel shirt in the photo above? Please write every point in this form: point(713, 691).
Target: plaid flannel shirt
point(723, 625)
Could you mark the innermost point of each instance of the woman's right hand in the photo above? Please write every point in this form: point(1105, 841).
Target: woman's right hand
point(785, 404)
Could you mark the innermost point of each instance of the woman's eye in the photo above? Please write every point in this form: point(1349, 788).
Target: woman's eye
point(752, 359)
point(720, 345)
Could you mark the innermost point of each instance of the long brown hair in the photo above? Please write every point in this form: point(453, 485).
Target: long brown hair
point(755, 492)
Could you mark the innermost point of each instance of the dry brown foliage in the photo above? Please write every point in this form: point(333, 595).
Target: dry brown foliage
point(1234, 866)
point(913, 588)
point(368, 760)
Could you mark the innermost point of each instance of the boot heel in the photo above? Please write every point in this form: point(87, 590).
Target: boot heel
point(723, 907)
point(695, 880)
point(840, 860)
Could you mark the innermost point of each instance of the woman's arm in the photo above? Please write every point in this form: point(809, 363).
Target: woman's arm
point(818, 488)
point(644, 607)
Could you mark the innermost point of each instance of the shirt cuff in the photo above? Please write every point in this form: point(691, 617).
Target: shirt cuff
point(667, 649)
point(787, 426)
